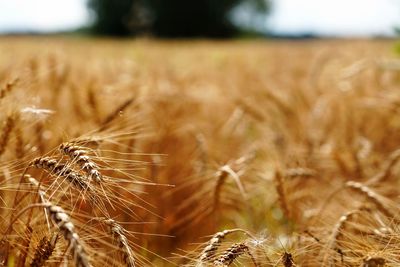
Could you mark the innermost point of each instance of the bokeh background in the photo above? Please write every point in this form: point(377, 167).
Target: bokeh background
point(205, 18)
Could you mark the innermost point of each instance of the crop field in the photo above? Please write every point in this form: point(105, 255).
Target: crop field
point(199, 153)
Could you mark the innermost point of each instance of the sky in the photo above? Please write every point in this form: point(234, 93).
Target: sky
point(42, 15)
point(324, 17)
point(336, 17)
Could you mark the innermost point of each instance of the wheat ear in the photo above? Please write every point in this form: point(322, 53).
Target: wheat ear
point(8, 88)
point(19, 143)
point(209, 252)
point(6, 132)
point(384, 174)
point(52, 166)
point(80, 155)
point(92, 102)
point(223, 173)
point(280, 188)
point(116, 113)
point(340, 227)
point(371, 196)
point(232, 253)
point(43, 251)
point(373, 262)
point(66, 227)
point(300, 172)
point(118, 233)
point(287, 260)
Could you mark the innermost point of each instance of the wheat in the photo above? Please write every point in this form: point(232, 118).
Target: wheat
point(371, 196)
point(19, 143)
point(67, 228)
point(52, 166)
point(80, 155)
point(111, 117)
point(118, 233)
point(340, 228)
point(388, 165)
point(282, 197)
point(232, 253)
point(221, 177)
point(64, 224)
point(43, 251)
point(62, 98)
point(300, 172)
point(287, 260)
point(209, 252)
point(223, 173)
point(6, 132)
point(92, 102)
point(8, 88)
point(373, 262)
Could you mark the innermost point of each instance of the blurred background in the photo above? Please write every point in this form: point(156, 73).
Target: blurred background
point(203, 18)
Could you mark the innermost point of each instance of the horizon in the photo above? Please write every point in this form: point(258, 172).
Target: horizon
point(338, 18)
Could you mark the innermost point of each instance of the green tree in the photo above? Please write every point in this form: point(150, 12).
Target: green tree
point(118, 17)
point(169, 18)
point(182, 18)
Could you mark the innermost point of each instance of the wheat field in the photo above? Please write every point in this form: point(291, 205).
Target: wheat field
point(199, 153)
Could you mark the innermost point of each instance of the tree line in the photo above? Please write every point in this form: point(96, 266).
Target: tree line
point(171, 18)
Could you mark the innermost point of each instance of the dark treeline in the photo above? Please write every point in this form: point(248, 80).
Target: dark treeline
point(170, 18)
